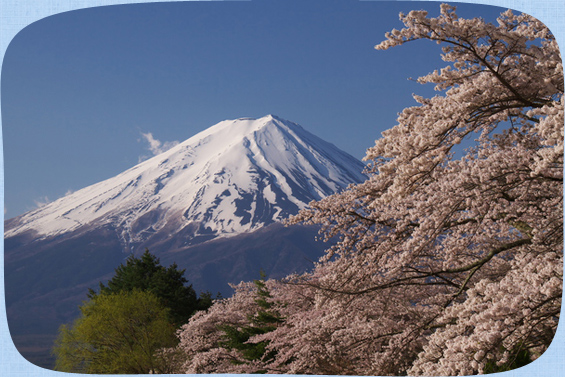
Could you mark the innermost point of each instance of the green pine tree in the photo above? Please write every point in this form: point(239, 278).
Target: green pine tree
point(168, 284)
point(266, 319)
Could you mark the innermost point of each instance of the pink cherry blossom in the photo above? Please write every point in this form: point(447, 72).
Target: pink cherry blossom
point(444, 265)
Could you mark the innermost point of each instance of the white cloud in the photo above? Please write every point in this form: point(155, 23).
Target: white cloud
point(155, 146)
point(42, 201)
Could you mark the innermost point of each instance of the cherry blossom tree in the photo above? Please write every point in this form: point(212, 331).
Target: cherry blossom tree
point(215, 341)
point(448, 261)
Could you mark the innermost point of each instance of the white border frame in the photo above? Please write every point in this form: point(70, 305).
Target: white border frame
point(17, 14)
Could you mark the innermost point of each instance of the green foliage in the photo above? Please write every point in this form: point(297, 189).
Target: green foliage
point(519, 357)
point(168, 284)
point(118, 332)
point(205, 300)
point(265, 320)
point(123, 325)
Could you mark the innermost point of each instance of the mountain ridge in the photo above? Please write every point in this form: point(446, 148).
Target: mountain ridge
point(243, 174)
point(211, 204)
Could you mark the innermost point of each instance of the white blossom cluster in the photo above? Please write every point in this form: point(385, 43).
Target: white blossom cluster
point(444, 265)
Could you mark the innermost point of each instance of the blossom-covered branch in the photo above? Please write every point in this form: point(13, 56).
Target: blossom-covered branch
point(447, 261)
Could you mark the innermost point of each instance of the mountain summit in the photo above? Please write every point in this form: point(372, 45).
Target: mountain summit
point(210, 204)
point(234, 177)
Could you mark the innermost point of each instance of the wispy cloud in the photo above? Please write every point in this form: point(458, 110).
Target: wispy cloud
point(156, 146)
point(41, 201)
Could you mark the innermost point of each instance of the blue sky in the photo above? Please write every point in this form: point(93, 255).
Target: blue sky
point(80, 88)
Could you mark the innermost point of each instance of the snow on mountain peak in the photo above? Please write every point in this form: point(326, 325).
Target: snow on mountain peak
point(233, 177)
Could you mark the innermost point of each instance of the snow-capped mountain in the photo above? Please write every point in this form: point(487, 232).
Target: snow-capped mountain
point(234, 177)
point(224, 185)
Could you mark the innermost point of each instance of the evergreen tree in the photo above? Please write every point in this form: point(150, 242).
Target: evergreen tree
point(168, 284)
point(263, 321)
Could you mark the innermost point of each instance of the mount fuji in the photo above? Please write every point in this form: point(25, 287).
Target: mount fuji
point(212, 204)
point(237, 176)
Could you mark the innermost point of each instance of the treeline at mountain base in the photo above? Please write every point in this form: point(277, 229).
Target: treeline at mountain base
point(449, 261)
point(124, 324)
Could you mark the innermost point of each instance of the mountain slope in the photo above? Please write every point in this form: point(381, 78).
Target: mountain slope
point(234, 177)
point(211, 204)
